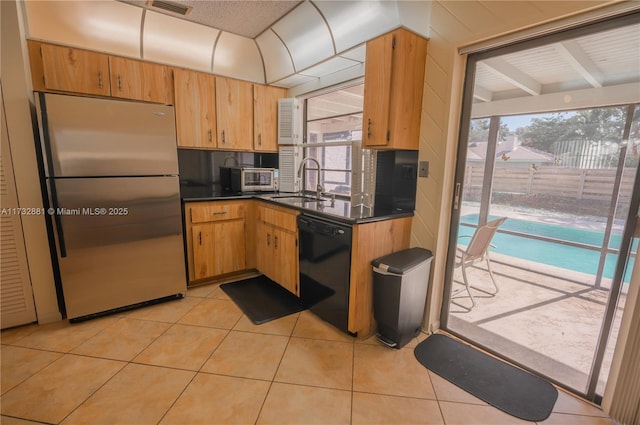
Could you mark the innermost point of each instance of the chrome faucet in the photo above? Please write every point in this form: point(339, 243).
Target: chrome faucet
point(319, 188)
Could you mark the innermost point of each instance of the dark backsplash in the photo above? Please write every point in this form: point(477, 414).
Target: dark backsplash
point(201, 168)
point(396, 174)
point(396, 180)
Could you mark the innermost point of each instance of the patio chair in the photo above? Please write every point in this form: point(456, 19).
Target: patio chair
point(477, 250)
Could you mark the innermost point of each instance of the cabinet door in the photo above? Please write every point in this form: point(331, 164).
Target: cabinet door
point(234, 110)
point(265, 117)
point(195, 105)
point(74, 70)
point(212, 253)
point(286, 260)
point(393, 87)
point(132, 79)
point(407, 86)
point(264, 250)
point(377, 91)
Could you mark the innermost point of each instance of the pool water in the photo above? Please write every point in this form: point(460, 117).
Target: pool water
point(554, 254)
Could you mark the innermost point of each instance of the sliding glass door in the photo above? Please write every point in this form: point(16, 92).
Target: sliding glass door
point(552, 146)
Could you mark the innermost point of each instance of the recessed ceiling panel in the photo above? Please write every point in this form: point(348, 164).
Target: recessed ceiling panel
point(277, 61)
point(353, 22)
point(306, 35)
point(108, 26)
point(177, 42)
point(357, 54)
point(329, 67)
point(294, 80)
point(238, 57)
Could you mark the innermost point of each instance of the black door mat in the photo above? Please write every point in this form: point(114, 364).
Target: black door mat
point(512, 390)
point(262, 300)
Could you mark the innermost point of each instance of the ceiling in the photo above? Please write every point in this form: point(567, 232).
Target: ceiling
point(246, 18)
point(300, 45)
point(603, 67)
point(310, 44)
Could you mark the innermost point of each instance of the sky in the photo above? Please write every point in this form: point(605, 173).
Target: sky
point(516, 121)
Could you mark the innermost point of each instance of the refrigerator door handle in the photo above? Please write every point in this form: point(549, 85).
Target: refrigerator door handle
point(57, 218)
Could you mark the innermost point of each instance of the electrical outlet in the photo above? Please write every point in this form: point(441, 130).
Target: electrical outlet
point(423, 170)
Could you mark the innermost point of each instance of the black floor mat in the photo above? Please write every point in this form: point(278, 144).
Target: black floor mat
point(508, 388)
point(262, 300)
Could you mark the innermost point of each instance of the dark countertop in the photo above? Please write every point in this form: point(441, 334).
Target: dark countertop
point(340, 210)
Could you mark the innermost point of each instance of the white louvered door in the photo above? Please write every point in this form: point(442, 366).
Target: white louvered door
point(16, 297)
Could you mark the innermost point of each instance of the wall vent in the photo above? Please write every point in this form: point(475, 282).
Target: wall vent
point(169, 6)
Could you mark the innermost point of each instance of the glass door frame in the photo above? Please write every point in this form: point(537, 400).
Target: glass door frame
point(463, 135)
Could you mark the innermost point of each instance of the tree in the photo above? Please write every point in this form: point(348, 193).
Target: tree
point(479, 131)
point(592, 125)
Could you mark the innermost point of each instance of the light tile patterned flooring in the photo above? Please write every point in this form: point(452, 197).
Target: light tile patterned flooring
point(199, 360)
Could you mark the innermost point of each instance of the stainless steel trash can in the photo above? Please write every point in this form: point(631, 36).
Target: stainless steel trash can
point(400, 282)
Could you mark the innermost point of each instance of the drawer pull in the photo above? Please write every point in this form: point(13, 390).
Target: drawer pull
point(99, 79)
point(275, 242)
point(219, 213)
point(210, 136)
point(119, 83)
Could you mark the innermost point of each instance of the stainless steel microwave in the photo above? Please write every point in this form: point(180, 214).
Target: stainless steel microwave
point(247, 179)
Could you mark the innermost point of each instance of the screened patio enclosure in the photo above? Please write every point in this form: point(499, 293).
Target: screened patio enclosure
point(550, 139)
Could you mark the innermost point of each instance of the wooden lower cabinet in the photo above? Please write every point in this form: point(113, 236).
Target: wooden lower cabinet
point(227, 237)
point(277, 246)
point(213, 254)
point(218, 242)
point(371, 241)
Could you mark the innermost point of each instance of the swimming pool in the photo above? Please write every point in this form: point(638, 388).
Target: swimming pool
point(554, 254)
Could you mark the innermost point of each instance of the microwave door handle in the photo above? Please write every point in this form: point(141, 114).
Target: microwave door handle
point(57, 218)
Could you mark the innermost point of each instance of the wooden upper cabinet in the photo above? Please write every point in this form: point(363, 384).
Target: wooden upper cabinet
point(234, 111)
point(265, 117)
point(72, 70)
point(195, 105)
point(65, 69)
point(134, 79)
point(393, 85)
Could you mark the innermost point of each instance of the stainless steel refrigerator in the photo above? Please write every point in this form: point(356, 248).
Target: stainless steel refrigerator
point(111, 178)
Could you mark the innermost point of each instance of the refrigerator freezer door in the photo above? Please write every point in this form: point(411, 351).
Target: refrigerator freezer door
point(85, 137)
point(123, 240)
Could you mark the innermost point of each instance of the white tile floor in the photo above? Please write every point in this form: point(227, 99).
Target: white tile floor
point(199, 360)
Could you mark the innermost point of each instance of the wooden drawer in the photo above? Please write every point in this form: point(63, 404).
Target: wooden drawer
point(279, 218)
point(215, 211)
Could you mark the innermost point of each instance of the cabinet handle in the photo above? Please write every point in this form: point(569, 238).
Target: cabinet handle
point(275, 242)
point(99, 79)
point(268, 239)
point(200, 237)
point(210, 136)
point(260, 139)
point(223, 141)
point(368, 128)
point(119, 83)
point(218, 212)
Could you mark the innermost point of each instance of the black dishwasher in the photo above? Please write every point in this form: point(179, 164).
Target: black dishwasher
point(325, 262)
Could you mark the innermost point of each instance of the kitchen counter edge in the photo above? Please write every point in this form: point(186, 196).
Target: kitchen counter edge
point(274, 201)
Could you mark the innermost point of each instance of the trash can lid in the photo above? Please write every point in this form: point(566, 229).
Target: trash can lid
point(403, 261)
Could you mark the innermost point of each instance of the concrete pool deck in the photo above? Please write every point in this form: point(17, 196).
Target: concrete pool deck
point(545, 322)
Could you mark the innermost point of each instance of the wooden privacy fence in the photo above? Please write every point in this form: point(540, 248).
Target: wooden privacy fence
point(575, 183)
